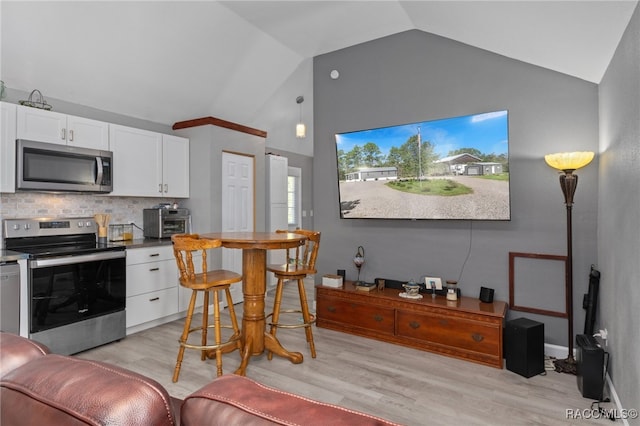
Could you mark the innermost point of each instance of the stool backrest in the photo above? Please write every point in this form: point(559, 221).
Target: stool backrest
point(183, 247)
point(305, 255)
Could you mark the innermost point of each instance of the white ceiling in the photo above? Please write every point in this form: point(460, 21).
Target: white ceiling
point(170, 61)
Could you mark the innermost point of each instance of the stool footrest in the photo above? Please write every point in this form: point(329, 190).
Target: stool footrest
point(312, 320)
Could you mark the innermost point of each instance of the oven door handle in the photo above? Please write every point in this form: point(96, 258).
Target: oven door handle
point(71, 260)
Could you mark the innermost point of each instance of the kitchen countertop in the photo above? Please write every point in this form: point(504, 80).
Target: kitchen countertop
point(11, 256)
point(142, 242)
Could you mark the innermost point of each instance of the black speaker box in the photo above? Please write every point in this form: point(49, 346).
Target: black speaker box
point(486, 294)
point(524, 346)
point(590, 367)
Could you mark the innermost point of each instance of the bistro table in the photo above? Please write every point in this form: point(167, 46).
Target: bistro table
point(254, 245)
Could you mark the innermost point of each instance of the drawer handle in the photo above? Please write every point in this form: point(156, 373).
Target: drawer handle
point(377, 317)
point(477, 337)
point(331, 308)
point(444, 322)
point(414, 324)
point(154, 255)
point(154, 299)
point(154, 269)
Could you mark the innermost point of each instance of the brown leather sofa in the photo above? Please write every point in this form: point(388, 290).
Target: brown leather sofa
point(37, 387)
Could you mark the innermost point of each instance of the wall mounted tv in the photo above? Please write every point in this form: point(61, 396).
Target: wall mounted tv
point(453, 168)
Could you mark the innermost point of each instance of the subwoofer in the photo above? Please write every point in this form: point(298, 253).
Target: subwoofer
point(590, 368)
point(524, 346)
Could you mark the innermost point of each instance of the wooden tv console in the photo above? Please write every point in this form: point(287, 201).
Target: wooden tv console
point(467, 328)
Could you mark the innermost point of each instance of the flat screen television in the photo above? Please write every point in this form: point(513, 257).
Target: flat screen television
point(453, 169)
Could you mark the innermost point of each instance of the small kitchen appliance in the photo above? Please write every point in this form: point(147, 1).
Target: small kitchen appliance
point(163, 222)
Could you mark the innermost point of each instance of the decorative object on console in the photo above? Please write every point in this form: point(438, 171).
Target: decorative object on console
point(433, 283)
point(411, 290)
point(380, 283)
point(331, 280)
point(36, 100)
point(486, 294)
point(358, 260)
point(301, 129)
point(568, 162)
point(364, 286)
point(452, 290)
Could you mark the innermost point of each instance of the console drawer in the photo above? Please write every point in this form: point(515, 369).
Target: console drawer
point(449, 331)
point(359, 315)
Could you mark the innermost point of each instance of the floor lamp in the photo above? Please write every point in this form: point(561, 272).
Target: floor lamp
point(568, 162)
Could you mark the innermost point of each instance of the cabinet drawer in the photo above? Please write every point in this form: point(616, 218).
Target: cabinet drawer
point(355, 314)
point(151, 276)
point(449, 331)
point(149, 254)
point(151, 306)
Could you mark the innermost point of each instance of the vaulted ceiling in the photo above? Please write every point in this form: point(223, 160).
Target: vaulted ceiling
point(170, 61)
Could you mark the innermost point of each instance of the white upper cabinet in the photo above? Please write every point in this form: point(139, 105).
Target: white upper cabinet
point(137, 161)
point(149, 164)
point(53, 127)
point(7, 147)
point(175, 166)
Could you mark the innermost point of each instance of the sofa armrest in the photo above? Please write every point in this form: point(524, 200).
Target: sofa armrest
point(16, 351)
point(62, 390)
point(232, 399)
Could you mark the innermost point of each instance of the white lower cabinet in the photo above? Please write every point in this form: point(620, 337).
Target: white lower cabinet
point(152, 284)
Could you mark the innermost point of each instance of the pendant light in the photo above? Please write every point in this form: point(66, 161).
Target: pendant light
point(301, 129)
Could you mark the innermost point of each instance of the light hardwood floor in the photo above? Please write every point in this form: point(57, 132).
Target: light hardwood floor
point(400, 384)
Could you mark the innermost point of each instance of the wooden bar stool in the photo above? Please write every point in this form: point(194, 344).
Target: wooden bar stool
point(299, 264)
point(205, 282)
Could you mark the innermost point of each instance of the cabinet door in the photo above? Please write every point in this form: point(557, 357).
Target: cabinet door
point(137, 161)
point(86, 133)
point(40, 125)
point(175, 166)
point(7, 147)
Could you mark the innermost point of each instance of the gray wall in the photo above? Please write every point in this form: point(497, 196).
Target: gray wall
point(618, 207)
point(416, 76)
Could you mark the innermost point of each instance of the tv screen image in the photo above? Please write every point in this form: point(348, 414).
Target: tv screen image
point(453, 168)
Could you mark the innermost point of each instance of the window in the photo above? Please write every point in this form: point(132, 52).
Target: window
point(294, 197)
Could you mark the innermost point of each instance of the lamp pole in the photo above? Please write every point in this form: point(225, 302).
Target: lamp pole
point(568, 184)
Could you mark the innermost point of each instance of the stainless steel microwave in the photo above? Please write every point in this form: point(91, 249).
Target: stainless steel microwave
point(61, 168)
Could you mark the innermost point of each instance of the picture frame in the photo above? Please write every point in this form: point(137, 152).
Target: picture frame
point(430, 282)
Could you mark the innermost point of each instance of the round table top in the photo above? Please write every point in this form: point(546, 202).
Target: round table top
point(257, 240)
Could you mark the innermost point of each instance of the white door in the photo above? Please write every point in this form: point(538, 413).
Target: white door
point(237, 208)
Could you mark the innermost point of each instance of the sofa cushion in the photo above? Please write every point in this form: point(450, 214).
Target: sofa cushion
point(56, 389)
point(17, 351)
point(236, 400)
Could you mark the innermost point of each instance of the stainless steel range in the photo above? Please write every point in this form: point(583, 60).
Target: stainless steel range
point(76, 287)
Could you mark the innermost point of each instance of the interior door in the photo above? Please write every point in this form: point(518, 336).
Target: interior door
point(238, 208)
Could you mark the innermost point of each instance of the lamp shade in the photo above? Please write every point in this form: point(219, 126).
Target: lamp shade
point(301, 130)
point(569, 160)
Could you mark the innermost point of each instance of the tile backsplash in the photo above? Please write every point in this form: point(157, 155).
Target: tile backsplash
point(36, 204)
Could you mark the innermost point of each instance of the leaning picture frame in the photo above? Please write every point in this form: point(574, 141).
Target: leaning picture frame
point(433, 282)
